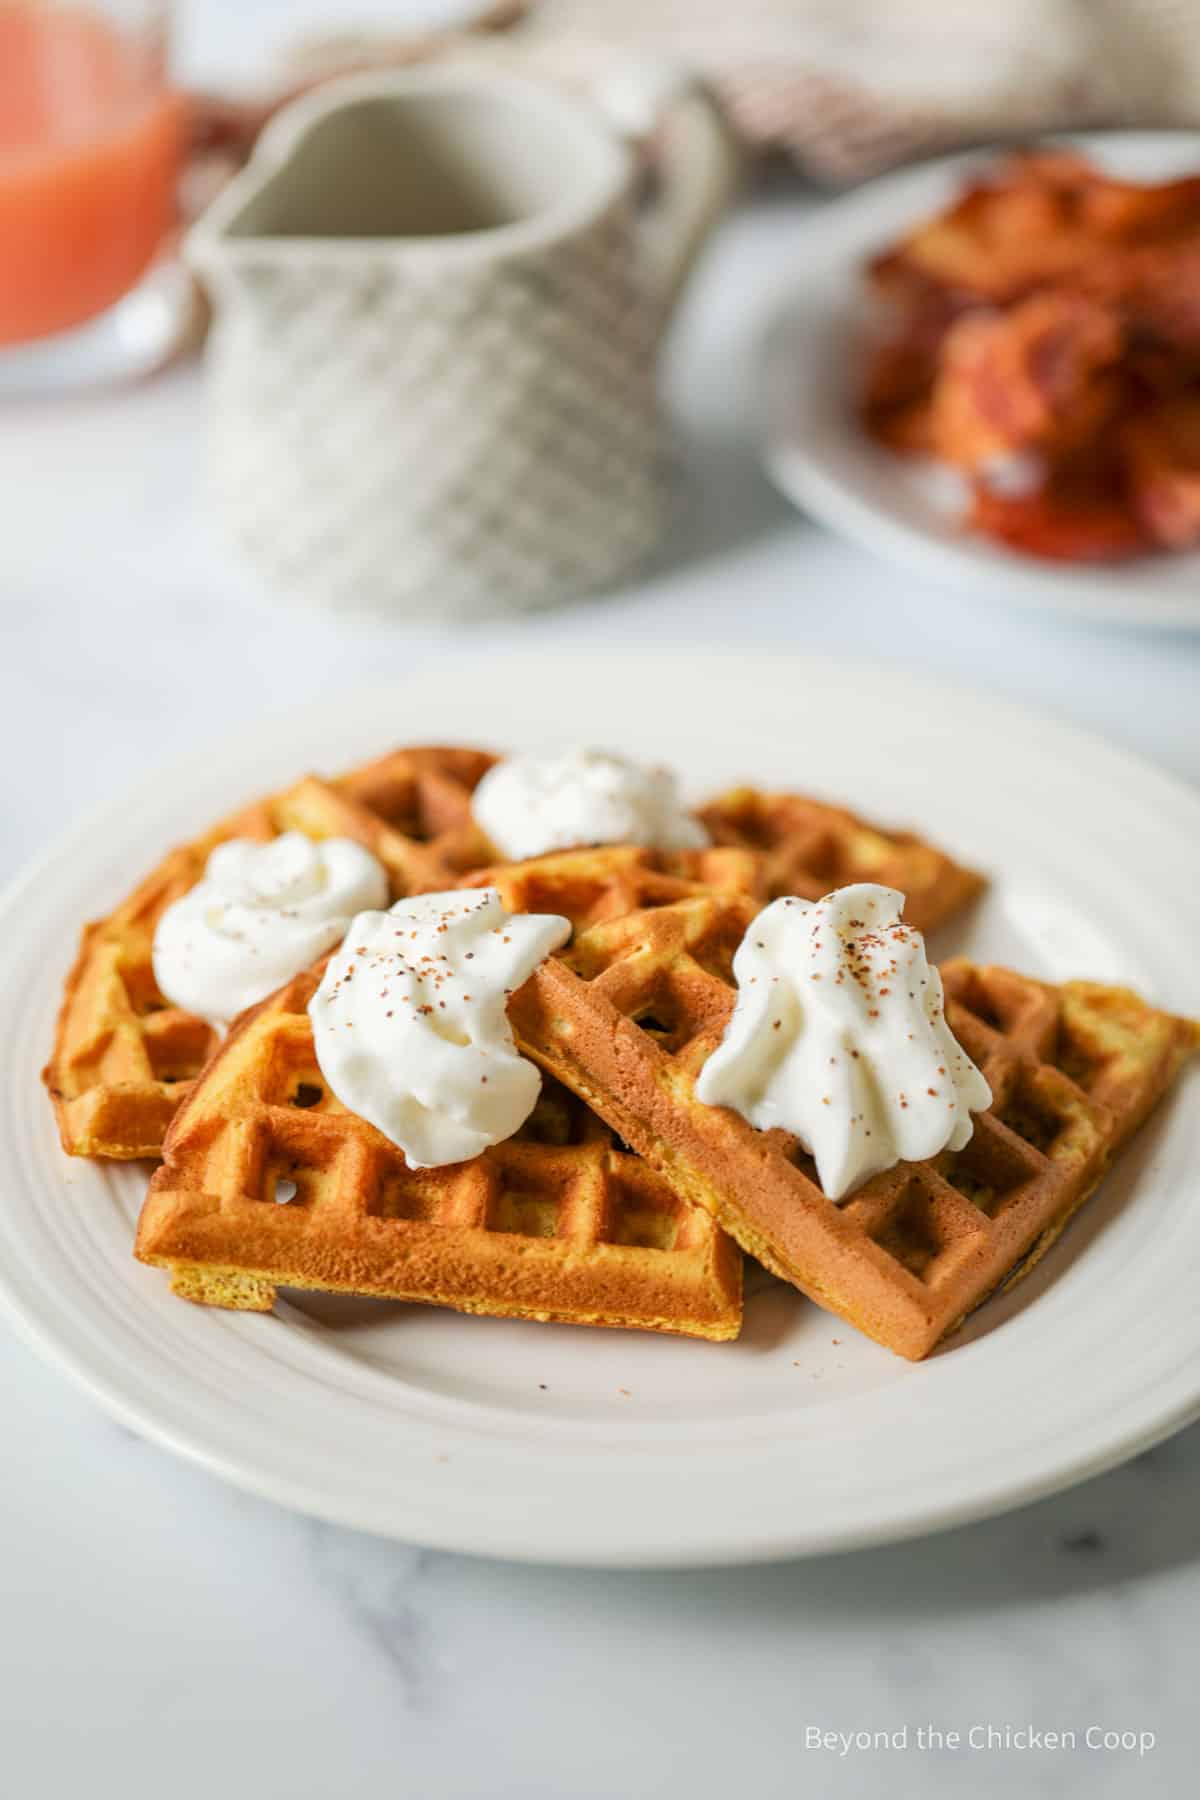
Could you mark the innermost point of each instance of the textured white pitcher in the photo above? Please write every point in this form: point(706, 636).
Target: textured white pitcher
point(438, 307)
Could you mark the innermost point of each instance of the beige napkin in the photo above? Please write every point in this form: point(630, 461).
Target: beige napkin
point(845, 87)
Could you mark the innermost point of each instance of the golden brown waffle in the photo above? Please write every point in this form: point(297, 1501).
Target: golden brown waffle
point(560, 1222)
point(423, 796)
point(123, 1057)
point(589, 886)
point(629, 1014)
point(810, 848)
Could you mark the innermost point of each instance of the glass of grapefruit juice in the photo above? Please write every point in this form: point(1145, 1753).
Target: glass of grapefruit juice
point(90, 138)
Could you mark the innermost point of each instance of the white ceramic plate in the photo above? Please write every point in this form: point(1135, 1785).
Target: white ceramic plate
point(822, 459)
point(639, 1450)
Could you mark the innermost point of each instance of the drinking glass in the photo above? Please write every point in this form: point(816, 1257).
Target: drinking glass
point(90, 140)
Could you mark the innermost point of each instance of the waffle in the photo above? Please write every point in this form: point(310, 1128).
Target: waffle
point(123, 1058)
point(629, 1014)
point(589, 886)
point(810, 848)
point(423, 796)
point(560, 1222)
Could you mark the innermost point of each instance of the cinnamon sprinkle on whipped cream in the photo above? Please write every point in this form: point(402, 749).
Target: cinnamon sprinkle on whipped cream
point(839, 1036)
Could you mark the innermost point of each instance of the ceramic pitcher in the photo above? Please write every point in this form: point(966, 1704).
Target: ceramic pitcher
point(438, 309)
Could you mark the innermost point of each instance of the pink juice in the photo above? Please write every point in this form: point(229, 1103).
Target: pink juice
point(89, 150)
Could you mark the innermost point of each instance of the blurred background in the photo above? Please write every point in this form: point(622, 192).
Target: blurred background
point(145, 489)
point(237, 480)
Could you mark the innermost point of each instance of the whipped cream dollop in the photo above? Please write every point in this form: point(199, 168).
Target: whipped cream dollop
point(840, 1036)
point(410, 1027)
point(259, 914)
point(529, 805)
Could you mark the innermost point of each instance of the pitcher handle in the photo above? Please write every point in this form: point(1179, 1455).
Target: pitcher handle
point(700, 167)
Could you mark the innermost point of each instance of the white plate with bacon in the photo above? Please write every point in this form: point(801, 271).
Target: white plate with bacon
point(1086, 500)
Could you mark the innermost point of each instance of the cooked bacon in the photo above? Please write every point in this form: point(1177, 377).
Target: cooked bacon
point(1156, 289)
point(1037, 217)
point(900, 353)
point(1047, 323)
point(994, 245)
point(1041, 376)
point(1125, 212)
point(1078, 516)
point(1161, 451)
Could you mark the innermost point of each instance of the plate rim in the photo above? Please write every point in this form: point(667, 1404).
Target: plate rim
point(728, 1546)
point(800, 475)
point(722, 1552)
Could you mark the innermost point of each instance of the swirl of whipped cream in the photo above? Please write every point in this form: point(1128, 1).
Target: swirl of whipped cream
point(840, 1036)
point(410, 1026)
point(260, 914)
point(529, 805)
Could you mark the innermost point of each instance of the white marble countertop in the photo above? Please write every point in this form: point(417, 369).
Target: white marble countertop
point(160, 1633)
